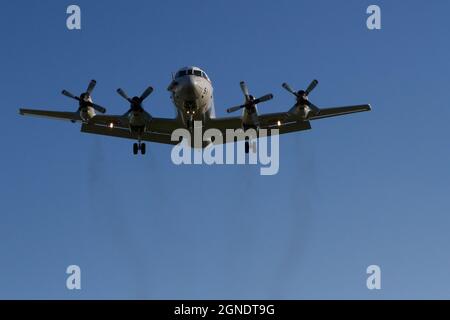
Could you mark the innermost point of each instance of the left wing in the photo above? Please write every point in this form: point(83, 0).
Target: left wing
point(285, 122)
point(60, 115)
point(340, 111)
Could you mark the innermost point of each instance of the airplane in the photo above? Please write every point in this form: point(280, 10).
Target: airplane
point(192, 94)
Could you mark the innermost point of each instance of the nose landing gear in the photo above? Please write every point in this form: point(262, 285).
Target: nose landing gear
point(190, 123)
point(190, 111)
point(139, 147)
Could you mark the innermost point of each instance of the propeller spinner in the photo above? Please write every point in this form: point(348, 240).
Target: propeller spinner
point(85, 99)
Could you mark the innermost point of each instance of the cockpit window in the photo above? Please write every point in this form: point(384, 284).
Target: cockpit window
point(189, 72)
point(180, 74)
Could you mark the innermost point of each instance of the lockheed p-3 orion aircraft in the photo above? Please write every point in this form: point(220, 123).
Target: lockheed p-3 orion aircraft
point(192, 94)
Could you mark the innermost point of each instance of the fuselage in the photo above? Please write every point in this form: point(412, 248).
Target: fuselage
point(192, 95)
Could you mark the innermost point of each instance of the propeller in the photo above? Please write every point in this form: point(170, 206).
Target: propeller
point(250, 101)
point(135, 102)
point(85, 99)
point(302, 95)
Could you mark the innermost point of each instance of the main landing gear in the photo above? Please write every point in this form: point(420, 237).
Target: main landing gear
point(139, 147)
point(249, 145)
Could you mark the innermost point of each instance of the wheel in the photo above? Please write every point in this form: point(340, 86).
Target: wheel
point(247, 146)
point(135, 148)
point(142, 148)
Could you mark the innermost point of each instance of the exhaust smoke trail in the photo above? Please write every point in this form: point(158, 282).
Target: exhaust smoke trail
point(109, 218)
point(301, 183)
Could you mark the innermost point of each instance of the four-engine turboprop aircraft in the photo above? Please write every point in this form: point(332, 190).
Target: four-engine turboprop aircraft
point(192, 94)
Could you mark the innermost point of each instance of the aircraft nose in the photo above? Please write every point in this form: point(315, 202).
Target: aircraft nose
point(190, 89)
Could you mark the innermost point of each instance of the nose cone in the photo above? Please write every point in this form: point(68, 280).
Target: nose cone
point(190, 89)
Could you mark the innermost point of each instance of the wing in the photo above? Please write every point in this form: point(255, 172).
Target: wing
point(164, 125)
point(156, 125)
point(126, 133)
point(285, 122)
point(340, 111)
point(70, 116)
point(160, 129)
point(107, 120)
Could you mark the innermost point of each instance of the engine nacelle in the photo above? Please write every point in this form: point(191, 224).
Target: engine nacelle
point(87, 113)
point(304, 111)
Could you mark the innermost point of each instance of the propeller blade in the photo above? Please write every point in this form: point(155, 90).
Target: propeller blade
point(263, 98)
point(244, 88)
point(251, 103)
point(98, 108)
point(91, 87)
point(311, 87)
point(146, 93)
point(289, 88)
point(123, 94)
point(233, 109)
point(70, 95)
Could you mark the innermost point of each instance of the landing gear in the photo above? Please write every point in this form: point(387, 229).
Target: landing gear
point(247, 146)
point(190, 121)
point(138, 147)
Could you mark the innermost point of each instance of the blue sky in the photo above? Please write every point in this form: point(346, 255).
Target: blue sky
point(371, 188)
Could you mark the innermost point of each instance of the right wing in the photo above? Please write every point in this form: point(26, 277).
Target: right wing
point(71, 116)
point(127, 134)
point(156, 125)
point(165, 125)
point(107, 120)
point(160, 129)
